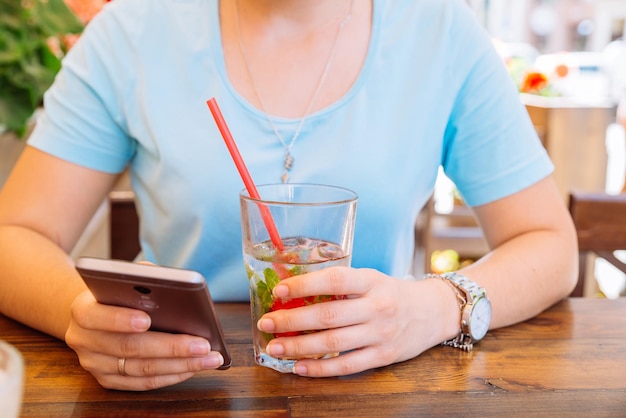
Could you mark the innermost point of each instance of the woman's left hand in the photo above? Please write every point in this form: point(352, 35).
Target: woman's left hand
point(383, 320)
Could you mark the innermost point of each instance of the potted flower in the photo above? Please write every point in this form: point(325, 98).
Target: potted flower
point(31, 48)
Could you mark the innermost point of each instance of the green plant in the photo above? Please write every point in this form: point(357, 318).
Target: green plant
point(28, 65)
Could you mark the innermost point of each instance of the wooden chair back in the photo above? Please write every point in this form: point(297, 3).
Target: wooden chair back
point(124, 226)
point(600, 221)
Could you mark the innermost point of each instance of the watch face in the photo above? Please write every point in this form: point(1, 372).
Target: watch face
point(480, 319)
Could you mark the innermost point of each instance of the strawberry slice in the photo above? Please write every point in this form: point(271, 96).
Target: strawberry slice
point(282, 271)
point(286, 258)
point(287, 334)
point(287, 304)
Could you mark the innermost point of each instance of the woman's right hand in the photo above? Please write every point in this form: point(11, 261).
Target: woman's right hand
point(115, 346)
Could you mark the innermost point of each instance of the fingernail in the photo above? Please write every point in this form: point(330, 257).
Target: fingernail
point(212, 361)
point(140, 322)
point(300, 369)
point(275, 349)
point(200, 348)
point(281, 291)
point(266, 325)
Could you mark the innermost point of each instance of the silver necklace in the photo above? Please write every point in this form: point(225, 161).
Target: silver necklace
point(288, 159)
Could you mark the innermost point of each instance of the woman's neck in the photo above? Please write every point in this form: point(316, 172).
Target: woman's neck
point(292, 17)
point(280, 50)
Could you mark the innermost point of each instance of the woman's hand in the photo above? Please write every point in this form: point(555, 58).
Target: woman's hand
point(102, 335)
point(383, 320)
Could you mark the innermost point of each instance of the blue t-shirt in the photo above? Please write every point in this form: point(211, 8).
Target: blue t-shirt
point(431, 92)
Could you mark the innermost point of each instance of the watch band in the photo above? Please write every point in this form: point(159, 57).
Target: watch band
point(467, 293)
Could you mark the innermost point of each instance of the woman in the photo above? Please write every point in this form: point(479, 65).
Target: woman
point(369, 95)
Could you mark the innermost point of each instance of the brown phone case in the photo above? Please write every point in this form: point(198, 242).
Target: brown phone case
point(177, 300)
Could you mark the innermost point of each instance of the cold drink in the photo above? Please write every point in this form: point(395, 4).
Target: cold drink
point(315, 227)
point(266, 267)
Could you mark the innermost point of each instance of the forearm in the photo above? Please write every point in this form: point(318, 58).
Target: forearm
point(527, 274)
point(37, 280)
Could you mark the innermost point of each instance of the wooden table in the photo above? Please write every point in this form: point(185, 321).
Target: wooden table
point(568, 361)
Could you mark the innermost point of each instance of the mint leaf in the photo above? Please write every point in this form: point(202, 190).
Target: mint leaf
point(296, 270)
point(250, 272)
point(264, 296)
point(271, 278)
point(264, 289)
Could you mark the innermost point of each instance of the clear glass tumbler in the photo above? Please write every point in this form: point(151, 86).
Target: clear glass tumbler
point(316, 227)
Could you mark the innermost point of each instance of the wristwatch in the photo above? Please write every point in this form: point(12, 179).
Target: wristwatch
point(475, 310)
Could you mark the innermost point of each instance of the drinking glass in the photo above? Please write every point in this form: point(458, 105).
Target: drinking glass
point(316, 228)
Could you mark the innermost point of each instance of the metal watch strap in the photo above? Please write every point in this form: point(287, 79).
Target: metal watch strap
point(465, 291)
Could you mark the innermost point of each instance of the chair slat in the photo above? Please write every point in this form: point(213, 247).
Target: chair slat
point(600, 221)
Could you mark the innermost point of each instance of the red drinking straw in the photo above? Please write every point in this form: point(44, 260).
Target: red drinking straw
point(243, 171)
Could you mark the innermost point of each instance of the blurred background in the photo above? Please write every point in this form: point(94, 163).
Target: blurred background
point(586, 36)
point(567, 58)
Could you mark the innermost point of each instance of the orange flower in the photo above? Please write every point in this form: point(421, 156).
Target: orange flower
point(534, 82)
point(85, 9)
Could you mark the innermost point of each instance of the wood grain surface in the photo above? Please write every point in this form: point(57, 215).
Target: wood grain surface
point(568, 361)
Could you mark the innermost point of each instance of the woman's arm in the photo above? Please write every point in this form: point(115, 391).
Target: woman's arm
point(44, 207)
point(532, 265)
point(534, 261)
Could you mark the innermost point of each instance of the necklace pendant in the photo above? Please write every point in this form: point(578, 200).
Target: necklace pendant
point(288, 161)
point(288, 164)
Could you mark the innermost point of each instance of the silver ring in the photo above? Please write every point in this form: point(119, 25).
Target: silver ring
point(121, 366)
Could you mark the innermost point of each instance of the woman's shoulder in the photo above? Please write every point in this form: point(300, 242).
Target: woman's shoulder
point(155, 15)
point(423, 10)
point(428, 20)
point(139, 27)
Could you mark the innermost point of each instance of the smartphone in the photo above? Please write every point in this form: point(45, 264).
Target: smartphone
point(177, 300)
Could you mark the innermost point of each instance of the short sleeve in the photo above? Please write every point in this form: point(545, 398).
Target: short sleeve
point(82, 120)
point(491, 149)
